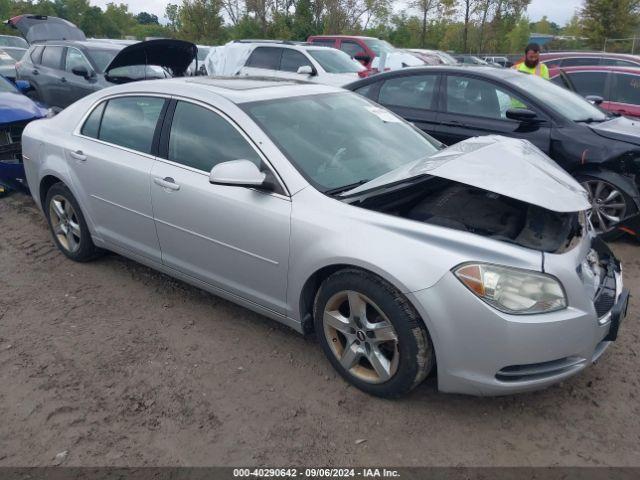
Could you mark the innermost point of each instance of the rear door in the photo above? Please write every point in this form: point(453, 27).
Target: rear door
point(414, 98)
point(591, 82)
point(263, 61)
point(50, 87)
point(475, 106)
point(112, 161)
point(290, 61)
point(625, 94)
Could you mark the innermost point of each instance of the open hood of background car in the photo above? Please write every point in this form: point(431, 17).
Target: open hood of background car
point(173, 55)
point(42, 28)
point(620, 128)
point(507, 166)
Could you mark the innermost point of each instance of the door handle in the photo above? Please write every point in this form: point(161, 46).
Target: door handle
point(35, 72)
point(78, 155)
point(166, 182)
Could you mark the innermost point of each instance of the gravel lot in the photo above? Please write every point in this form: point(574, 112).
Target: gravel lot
point(119, 365)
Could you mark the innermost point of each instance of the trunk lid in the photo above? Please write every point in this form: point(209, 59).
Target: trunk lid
point(42, 28)
point(507, 166)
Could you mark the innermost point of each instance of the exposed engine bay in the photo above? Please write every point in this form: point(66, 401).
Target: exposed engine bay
point(462, 207)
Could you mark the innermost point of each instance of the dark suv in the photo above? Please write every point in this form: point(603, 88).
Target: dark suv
point(63, 67)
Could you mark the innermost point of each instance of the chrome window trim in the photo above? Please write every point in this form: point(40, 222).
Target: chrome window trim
point(78, 133)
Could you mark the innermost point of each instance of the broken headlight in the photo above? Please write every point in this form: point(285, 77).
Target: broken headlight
point(511, 290)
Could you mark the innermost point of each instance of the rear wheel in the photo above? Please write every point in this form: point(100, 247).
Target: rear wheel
point(67, 225)
point(609, 205)
point(371, 334)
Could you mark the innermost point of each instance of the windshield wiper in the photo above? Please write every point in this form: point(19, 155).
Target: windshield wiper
point(591, 120)
point(344, 188)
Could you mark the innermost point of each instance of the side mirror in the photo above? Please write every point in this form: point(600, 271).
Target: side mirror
point(23, 86)
point(521, 115)
point(306, 70)
point(594, 99)
point(239, 173)
point(81, 72)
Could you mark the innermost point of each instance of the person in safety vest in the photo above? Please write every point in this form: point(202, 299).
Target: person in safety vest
point(531, 64)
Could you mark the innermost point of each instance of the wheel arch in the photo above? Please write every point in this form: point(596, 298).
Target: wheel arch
point(45, 185)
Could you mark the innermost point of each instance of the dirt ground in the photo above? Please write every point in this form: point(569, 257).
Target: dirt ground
point(119, 365)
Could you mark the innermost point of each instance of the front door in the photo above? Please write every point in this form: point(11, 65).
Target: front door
point(76, 86)
point(476, 107)
point(234, 238)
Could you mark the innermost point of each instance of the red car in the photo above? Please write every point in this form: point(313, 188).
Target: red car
point(618, 87)
point(582, 59)
point(363, 49)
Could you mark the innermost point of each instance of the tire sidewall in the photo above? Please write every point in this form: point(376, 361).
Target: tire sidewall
point(412, 334)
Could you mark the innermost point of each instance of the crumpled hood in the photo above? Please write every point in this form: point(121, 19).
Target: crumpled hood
point(511, 167)
point(175, 55)
point(620, 128)
point(15, 107)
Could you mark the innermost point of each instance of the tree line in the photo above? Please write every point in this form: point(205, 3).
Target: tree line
point(464, 26)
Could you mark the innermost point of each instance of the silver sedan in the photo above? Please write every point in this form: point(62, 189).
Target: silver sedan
point(326, 212)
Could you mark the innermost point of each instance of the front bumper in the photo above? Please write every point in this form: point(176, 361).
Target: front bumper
point(481, 351)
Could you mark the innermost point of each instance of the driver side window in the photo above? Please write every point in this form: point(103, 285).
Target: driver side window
point(201, 139)
point(75, 59)
point(472, 96)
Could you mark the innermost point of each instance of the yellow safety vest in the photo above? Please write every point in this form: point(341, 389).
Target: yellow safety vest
point(540, 70)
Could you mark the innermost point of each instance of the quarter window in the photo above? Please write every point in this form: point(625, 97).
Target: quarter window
point(201, 139)
point(91, 127)
point(131, 122)
point(589, 83)
point(292, 60)
point(627, 89)
point(412, 92)
point(471, 96)
point(52, 57)
point(265, 57)
point(36, 55)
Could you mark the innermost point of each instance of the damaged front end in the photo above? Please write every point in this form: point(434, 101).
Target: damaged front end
point(12, 175)
point(504, 189)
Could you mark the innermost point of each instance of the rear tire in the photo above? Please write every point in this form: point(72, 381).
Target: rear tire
point(371, 334)
point(68, 226)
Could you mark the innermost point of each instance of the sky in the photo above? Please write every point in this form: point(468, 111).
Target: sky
point(559, 11)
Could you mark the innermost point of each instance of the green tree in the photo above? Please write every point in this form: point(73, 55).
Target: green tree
point(201, 21)
point(518, 37)
point(609, 19)
point(145, 18)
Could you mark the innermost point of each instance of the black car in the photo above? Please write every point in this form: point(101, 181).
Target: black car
point(451, 104)
point(62, 66)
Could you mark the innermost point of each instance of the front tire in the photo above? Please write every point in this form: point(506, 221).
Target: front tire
point(68, 226)
point(371, 334)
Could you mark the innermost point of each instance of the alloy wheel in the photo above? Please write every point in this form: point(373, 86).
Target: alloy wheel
point(64, 222)
point(361, 337)
point(608, 205)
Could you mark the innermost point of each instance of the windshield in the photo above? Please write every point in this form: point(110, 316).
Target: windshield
point(336, 61)
point(568, 104)
point(8, 41)
point(7, 86)
point(102, 58)
point(339, 140)
point(379, 46)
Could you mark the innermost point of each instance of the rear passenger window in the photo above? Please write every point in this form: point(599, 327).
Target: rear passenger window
point(131, 122)
point(265, 57)
point(351, 48)
point(201, 139)
point(52, 57)
point(589, 83)
point(292, 60)
point(627, 89)
point(91, 126)
point(413, 92)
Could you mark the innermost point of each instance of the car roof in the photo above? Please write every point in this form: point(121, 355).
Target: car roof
point(235, 89)
point(596, 68)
